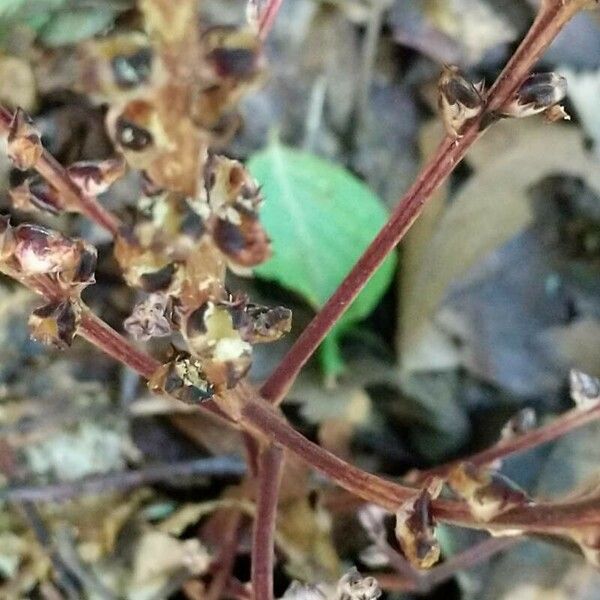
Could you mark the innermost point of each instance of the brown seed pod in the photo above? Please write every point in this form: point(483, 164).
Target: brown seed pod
point(95, 177)
point(487, 493)
point(38, 196)
point(415, 528)
point(55, 324)
point(539, 93)
point(245, 244)
point(24, 142)
point(184, 379)
point(459, 99)
point(41, 251)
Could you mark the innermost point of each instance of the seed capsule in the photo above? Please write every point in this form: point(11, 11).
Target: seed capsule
point(540, 92)
point(459, 99)
point(36, 196)
point(24, 142)
point(95, 177)
point(184, 379)
point(55, 324)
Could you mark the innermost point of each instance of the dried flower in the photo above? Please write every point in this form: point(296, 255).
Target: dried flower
point(24, 142)
point(585, 389)
point(524, 421)
point(152, 317)
point(487, 493)
point(95, 177)
point(55, 324)
point(539, 93)
point(38, 196)
point(353, 586)
point(415, 528)
point(459, 99)
point(41, 251)
point(184, 379)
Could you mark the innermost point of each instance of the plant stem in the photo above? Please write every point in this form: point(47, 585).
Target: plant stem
point(267, 19)
point(550, 19)
point(263, 546)
point(110, 482)
point(562, 425)
point(56, 175)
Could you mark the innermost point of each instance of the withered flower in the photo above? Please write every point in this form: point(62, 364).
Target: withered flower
point(41, 251)
point(55, 324)
point(459, 99)
point(353, 586)
point(95, 177)
point(38, 196)
point(585, 389)
point(487, 493)
point(415, 528)
point(539, 93)
point(183, 378)
point(152, 317)
point(24, 142)
point(245, 244)
point(211, 335)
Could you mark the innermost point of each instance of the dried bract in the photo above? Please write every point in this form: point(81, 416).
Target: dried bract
point(24, 142)
point(152, 317)
point(183, 378)
point(487, 493)
point(353, 586)
point(39, 196)
point(539, 93)
point(41, 251)
point(55, 324)
point(415, 529)
point(585, 389)
point(459, 99)
point(95, 177)
point(525, 420)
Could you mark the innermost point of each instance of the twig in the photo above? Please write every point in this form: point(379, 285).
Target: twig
point(562, 425)
point(267, 18)
point(226, 558)
point(56, 175)
point(551, 18)
point(263, 547)
point(111, 482)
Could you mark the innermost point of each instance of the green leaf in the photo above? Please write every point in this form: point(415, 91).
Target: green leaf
point(320, 219)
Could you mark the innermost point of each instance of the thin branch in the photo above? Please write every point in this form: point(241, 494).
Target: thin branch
point(562, 425)
point(551, 18)
point(56, 175)
point(125, 480)
point(267, 18)
point(263, 546)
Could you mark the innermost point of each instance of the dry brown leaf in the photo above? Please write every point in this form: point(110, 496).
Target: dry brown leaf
point(487, 211)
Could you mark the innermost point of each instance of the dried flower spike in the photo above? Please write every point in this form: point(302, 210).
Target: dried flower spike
point(55, 323)
point(24, 142)
point(459, 99)
point(487, 493)
point(415, 528)
point(539, 93)
point(585, 389)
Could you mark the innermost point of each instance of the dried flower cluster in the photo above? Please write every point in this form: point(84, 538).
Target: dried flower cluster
point(198, 214)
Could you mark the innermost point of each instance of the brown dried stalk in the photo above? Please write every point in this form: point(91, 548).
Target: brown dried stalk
point(56, 175)
point(263, 546)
